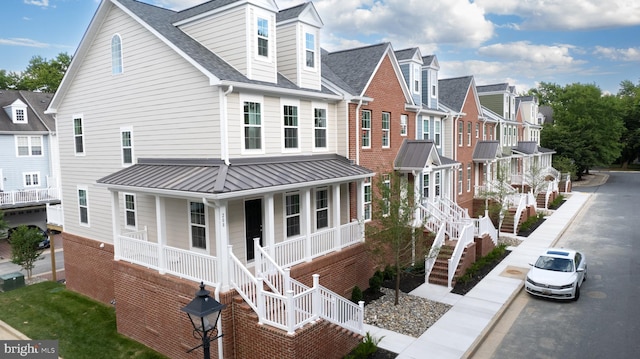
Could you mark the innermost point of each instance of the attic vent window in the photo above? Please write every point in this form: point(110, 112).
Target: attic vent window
point(116, 55)
point(310, 45)
point(263, 37)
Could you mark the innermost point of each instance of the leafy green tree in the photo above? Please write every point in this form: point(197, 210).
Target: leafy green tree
point(8, 80)
point(546, 93)
point(587, 127)
point(3, 223)
point(43, 75)
point(391, 234)
point(24, 247)
point(629, 96)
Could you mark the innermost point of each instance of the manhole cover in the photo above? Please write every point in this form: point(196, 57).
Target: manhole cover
point(596, 294)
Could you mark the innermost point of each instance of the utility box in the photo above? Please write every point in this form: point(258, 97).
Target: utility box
point(11, 281)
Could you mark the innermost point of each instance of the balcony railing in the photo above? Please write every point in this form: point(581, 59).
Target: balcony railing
point(26, 196)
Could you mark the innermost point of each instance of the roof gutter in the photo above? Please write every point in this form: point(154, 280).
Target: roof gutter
point(282, 91)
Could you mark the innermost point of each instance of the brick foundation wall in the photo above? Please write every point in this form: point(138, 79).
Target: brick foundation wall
point(88, 268)
point(148, 311)
point(468, 259)
point(339, 271)
point(320, 339)
point(484, 245)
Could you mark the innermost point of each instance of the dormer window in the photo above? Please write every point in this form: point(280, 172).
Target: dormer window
point(310, 46)
point(416, 79)
point(116, 55)
point(18, 112)
point(21, 115)
point(263, 37)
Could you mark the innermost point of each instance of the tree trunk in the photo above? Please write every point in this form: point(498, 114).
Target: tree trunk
point(397, 283)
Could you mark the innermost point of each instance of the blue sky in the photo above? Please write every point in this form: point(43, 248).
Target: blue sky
point(515, 41)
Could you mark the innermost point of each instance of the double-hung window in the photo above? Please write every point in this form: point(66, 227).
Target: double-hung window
point(126, 144)
point(460, 132)
point(404, 119)
point(252, 126)
point(477, 130)
point(386, 125)
point(290, 114)
point(468, 177)
point(320, 130)
point(386, 187)
point(426, 128)
point(292, 213)
point(416, 79)
point(310, 53)
point(367, 198)
point(32, 179)
point(459, 180)
point(197, 223)
point(437, 184)
point(469, 125)
point(425, 186)
point(484, 131)
point(263, 37)
point(29, 146)
point(116, 55)
point(83, 206)
point(366, 129)
point(130, 210)
point(322, 208)
point(437, 132)
point(78, 135)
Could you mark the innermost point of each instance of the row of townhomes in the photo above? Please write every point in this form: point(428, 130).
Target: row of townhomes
point(223, 144)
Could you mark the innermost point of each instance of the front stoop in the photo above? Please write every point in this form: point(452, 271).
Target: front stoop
point(440, 271)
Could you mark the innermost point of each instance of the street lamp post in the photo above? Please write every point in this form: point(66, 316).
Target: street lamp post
point(204, 312)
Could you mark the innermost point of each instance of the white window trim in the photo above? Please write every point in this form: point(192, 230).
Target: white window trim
point(362, 128)
point(365, 203)
point(14, 113)
point(426, 130)
point(437, 132)
point(460, 179)
point(31, 175)
point(386, 182)
point(437, 184)
point(296, 104)
point(417, 73)
point(468, 177)
point(260, 100)
point(73, 133)
point(86, 191)
point(404, 125)
point(285, 216)
point(125, 210)
point(206, 228)
point(29, 146)
point(320, 106)
point(313, 33)
point(327, 208)
point(427, 176)
point(469, 129)
point(122, 147)
point(121, 59)
point(387, 130)
point(258, 14)
point(460, 133)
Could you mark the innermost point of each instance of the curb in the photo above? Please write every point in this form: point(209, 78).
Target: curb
point(4, 327)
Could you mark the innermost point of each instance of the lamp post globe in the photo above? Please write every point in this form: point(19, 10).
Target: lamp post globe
point(204, 312)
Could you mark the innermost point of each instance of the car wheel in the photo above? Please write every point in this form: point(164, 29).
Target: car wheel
point(577, 293)
point(585, 274)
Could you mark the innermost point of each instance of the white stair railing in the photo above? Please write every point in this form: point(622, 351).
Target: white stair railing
point(516, 217)
point(430, 260)
point(466, 237)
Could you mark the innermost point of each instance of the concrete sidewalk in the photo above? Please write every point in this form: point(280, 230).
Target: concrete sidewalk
point(457, 333)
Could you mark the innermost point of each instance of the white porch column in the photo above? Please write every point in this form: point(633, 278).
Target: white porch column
point(335, 191)
point(417, 197)
point(222, 243)
point(161, 220)
point(115, 223)
point(306, 222)
point(268, 232)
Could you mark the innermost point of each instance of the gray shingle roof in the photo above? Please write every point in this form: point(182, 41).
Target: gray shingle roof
point(355, 66)
point(162, 20)
point(405, 54)
point(453, 92)
point(427, 60)
point(486, 151)
point(493, 88)
point(36, 102)
point(547, 112)
point(291, 13)
point(212, 176)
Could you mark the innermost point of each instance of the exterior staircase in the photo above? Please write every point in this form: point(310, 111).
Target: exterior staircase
point(508, 221)
point(440, 271)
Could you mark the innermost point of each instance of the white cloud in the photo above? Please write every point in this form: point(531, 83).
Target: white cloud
point(611, 53)
point(567, 14)
point(525, 51)
point(23, 42)
point(43, 3)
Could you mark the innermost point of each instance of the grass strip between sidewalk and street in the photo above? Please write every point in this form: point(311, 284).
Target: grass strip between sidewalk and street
point(84, 327)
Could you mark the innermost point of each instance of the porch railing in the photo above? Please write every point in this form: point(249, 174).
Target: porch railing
point(483, 225)
point(29, 196)
point(304, 248)
point(522, 202)
point(466, 238)
point(55, 215)
point(430, 260)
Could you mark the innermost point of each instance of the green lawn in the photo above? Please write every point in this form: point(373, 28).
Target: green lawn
point(84, 328)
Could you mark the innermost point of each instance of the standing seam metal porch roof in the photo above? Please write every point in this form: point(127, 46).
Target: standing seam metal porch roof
point(414, 154)
point(212, 176)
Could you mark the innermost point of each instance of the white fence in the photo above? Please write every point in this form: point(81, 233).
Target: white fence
point(29, 196)
point(55, 215)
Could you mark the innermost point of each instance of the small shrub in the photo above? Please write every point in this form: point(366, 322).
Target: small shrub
point(368, 346)
point(356, 294)
point(389, 272)
point(375, 282)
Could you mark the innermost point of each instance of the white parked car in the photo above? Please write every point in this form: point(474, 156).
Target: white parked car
point(558, 273)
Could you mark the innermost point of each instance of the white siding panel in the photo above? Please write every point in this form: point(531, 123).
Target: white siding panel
point(288, 52)
point(169, 104)
point(177, 222)
point(235, 216)
point(225, 34)
point(278, 218)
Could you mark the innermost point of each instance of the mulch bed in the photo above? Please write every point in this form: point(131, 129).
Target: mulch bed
point(463, 288)
point(408, 282)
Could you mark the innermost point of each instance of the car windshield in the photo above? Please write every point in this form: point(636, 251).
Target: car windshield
point(555, 264)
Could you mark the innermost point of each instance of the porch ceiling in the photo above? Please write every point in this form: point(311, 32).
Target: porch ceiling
point(212, 176)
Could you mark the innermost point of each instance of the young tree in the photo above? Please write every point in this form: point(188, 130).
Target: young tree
point(391, 234)
point(629, 96)
point(3, 223)
point(24, 247)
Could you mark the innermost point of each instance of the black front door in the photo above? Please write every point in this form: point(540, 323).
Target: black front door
point(253, 224)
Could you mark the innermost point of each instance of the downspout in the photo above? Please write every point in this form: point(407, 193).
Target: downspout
point(224, 126)
point(357, 136)
point(216, 291)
